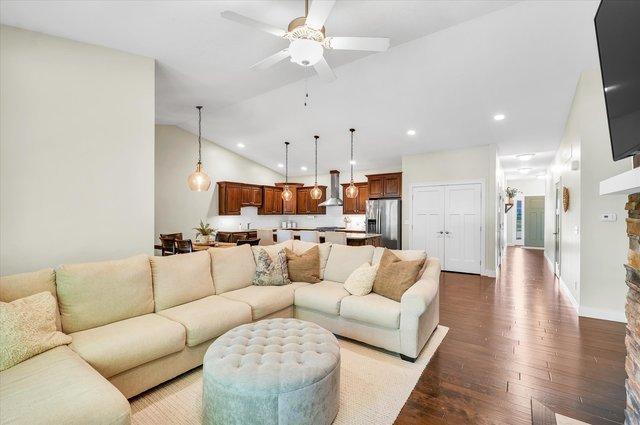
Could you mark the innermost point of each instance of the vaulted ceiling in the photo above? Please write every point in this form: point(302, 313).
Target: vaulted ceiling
point(451, 68)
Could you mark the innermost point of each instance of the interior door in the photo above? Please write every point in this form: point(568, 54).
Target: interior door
point(428, 220)
point(556, 230)
point(534, 221)
point(463, 226)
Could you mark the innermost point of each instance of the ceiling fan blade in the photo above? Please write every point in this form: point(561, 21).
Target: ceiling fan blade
point(271, 60)
point(318, 13)
point(235, 17)
point(372, 44)
point(324, 70)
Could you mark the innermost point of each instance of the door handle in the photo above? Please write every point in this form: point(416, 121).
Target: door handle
point(440, 232)
point(446, 232)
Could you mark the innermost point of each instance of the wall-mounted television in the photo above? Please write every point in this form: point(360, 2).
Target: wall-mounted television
point(618, 32)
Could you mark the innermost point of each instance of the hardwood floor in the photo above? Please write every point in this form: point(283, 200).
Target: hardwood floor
point(512, 339)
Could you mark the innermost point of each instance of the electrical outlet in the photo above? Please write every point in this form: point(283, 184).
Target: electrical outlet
point(608, 217)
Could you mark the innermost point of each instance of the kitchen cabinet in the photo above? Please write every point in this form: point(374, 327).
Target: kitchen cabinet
point(290, 207)
point(229, 198)
point(235, 236)
point(306, 205)
point(357, 205)
point(388, 185)
point(271, 200)
point(251, 195)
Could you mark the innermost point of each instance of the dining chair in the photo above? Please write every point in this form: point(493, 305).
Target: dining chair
point(222, 237)
point(310, 236)
point(183, 246)
point(283, 235)
point(171, 235)
point(251, 242)
point(338, 238)
point(265, 236)
point(168, 246)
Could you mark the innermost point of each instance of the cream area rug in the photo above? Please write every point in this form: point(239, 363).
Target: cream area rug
point(374, 385)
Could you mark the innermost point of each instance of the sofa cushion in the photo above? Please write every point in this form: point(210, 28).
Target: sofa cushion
point(208, 317)
point(274, 249)
point(95, 294)
point(300, 247)
point(324, 296)
point(402, 254)
point(123, 345)
point(232, 268)
point(22, 285)
point(263, 300)
point(270, 272)
point(58, 387)
point(344, 259)
point(28, 328)
point(178, 279)
point(360, 282)
point(304, 267)
point(373, 309)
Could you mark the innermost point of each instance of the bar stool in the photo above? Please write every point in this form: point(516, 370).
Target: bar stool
point(310, 236)
point(338, 238)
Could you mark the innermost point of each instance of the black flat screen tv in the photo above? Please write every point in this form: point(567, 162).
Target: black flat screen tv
point(618, 32)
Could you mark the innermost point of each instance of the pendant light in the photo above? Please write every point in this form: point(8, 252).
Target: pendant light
point(286, 192)
point(352, 190)
point(316, 192)
point(199, 181)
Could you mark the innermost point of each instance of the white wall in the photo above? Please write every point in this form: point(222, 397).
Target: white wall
point(526, 187)
point(592, 252)
point(478, 164)
point(177, 208)
point(76, 152)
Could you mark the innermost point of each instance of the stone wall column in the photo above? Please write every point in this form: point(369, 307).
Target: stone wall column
point(632, 310)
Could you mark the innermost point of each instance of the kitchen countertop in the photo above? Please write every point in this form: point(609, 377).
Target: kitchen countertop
point(350, 235)
point(342, 229)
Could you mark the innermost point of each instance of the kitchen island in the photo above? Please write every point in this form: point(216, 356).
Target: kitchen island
point(354, 237)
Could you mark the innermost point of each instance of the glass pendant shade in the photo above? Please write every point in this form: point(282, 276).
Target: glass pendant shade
point(352, 191)
point(199, 181)
point(287, 195)
point(315, 193)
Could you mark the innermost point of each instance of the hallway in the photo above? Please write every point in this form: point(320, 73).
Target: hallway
point(514, 338)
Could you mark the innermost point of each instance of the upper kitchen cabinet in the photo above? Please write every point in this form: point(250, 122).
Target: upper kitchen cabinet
point(290, 207)
point(229, 198)
point(306, 205)
point(388, 185)
point(271, 200)
point(357, 205)
point(251, 195)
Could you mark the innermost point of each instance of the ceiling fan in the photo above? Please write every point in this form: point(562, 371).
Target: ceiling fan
point(308, 40)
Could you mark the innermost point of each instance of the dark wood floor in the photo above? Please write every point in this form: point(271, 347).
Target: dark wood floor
point(515, 338)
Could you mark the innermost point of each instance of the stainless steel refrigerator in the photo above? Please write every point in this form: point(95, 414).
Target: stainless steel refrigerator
point(384, 216)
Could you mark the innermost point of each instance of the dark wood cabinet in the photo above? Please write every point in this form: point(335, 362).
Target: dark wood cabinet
point(229, 198)
point(306, 205)
point(357, 205)
point(271, 200)
point(290, 207)
point(226, 236)
point(387, 185)
point(251, 195)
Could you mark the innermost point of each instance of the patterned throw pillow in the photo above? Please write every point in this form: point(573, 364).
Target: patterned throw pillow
point(28, 328)
point(270, 272)
point(394, 276)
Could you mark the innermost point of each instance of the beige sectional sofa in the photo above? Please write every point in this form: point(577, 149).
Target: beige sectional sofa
point(140, 321)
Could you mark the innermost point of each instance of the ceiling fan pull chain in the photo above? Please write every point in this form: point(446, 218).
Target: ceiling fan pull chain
point(306, 86)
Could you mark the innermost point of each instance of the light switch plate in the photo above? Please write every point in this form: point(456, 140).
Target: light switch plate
point(608, 217)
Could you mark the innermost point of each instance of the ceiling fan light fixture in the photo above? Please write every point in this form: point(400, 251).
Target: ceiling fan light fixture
point(305, 52)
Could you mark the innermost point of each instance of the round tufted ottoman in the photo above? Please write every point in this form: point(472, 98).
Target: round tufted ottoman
point(277, 371)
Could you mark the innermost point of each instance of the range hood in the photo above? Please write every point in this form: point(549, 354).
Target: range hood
point(334, 197)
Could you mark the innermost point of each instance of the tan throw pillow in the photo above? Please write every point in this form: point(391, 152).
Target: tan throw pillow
point(304, 267)
point(394, 276)
point(270, 272)
point(28, 328)
point(360, 282)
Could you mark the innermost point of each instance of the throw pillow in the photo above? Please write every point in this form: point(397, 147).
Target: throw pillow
point(28, 328)
point(270, 272)
point(395, 276)
point(360, 281)
point(304, 267)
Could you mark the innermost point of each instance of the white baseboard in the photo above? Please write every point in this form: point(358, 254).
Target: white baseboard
point(533, 247)
point(565, 290)
point(549, 263)
point(616, 316)
point(489, 273)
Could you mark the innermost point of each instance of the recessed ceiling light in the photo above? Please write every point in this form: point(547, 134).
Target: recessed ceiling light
point(525, 156)
point(499, 117)
point(541, 176)
point(280, 165)
point(303, 168)
point(524, 170)
point(411, 132)
point(240, 145)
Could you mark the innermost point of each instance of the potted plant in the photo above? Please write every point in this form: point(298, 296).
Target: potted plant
point(511, 193)
point(204, 232)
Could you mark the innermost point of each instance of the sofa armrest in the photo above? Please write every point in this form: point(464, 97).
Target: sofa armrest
point(417, 298)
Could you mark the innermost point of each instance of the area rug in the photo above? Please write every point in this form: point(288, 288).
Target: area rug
point(374, 385)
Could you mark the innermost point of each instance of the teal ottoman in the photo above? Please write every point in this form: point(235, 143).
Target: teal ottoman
point(277, 371)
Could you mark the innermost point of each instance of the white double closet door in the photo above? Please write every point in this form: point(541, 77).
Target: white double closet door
point(447, 223)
